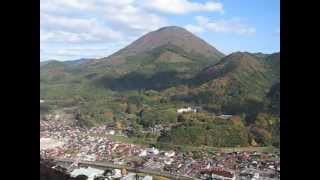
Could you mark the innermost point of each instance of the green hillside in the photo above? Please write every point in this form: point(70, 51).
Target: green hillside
point(165, 70)
point(238, 83)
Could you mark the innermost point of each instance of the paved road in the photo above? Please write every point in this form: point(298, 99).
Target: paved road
point(105, 165)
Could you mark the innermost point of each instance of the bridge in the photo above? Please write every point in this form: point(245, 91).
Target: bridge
point(105, 165)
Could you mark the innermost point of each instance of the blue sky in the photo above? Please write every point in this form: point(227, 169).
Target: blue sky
point(74, 29)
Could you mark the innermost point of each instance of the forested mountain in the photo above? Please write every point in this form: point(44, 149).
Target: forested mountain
point(167, 69)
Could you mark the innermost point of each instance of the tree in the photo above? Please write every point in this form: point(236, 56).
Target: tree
point(141, 113)
point(136, 130)
point(119, 126)
point(261, 136)
point(137, 100)
point(129, 109)
point(237, 121)
point(262, 120)
point(108, 115)
point(181, 118)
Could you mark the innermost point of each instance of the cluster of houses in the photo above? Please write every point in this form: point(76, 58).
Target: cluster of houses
point(80, 144)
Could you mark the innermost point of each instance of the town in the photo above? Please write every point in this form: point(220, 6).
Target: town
point(67, 142)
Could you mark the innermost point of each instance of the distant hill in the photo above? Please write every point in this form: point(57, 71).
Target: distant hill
point(43, 63)
point(68, 62)
point(76, 62)
point(237, 82)
point(170, 50)
point(260, 55)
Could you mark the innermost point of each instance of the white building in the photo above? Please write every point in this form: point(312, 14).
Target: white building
point(89, 172)
point(168, 161)
point(117, 174)
point(215, 176)
point(189, 109)
point(147, 178)
point(152, 150)
point(111, 132)
point(225, 116)
point(57, 117)
point(256, 176)
point(143, 153)
point(169, 153)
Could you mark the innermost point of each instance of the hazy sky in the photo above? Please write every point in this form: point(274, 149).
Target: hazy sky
point(74, 29)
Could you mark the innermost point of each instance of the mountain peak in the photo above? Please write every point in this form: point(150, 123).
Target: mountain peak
point(171, 28)
point(175, 36)
point(237, 56)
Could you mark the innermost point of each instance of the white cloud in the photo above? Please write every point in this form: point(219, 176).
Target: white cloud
point(134, 19)
point(85, 52)
point(94, 22)
point(194, 29)
point(124, 13)
point(182, 6)
point(74, 30)
point(234, 25)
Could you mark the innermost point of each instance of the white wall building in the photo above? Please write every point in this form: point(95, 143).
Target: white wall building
point(224, 116)
point(89, 172)
point(189, 109)
point(152, 150)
